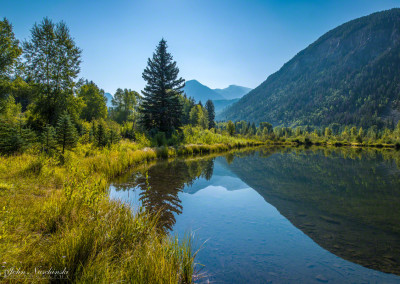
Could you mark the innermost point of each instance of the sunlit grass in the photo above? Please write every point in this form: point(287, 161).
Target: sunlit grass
point(55, 213)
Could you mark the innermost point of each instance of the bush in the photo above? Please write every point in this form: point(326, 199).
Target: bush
point(159, 139)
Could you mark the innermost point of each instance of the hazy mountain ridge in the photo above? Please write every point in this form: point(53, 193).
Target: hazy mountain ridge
point(109, 97)
point(220, 105)
point(200, 92)
point(349, 75)
point(233, 92)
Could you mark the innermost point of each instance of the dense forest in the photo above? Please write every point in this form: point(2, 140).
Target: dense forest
point(349, 76)
point(44, 104)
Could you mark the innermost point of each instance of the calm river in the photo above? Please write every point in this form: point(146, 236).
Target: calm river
point(280, 215)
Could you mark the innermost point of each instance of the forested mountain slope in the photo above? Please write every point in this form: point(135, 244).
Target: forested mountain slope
point(350, 75)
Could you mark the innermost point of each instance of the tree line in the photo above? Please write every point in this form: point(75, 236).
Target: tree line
point(43, 102)
point(334, 133)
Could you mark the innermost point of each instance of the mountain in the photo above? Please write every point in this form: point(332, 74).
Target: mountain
point(200, 92)
point(109, 97)
point(233, 92)
point(350, 75)
point(220, 105)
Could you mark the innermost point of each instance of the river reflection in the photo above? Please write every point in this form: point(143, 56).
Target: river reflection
point(160, 183)
point(344, 200)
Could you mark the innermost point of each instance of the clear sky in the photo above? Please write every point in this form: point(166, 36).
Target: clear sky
point(218, 42)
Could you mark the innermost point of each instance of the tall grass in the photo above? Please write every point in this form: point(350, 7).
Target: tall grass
point(58, 215)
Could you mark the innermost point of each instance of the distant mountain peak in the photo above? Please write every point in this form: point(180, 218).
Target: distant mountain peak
point(233, 92)
point(200, 92)
point(109, 97)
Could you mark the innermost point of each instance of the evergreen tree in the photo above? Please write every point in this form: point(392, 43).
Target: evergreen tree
point(253, 128)
point(67, 136)
point(114, 136)
point(397, 130)
point(231, 128)
point(114, 133)
point(101, 134)
point(161, 108)
point(353, 131)
point(211, 114)
point(92, 133)
point(188, 104)
point(14, 135)
point(10, 139)
point(48, 138)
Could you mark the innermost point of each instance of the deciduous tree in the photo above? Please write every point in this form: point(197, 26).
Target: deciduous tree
point(52, 63)
point(124, 104)
point(95, 101)
point(9, 49)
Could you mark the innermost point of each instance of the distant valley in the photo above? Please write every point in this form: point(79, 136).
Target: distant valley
point(221, 97)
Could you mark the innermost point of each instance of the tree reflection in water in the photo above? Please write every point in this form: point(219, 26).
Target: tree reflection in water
point(161, 183)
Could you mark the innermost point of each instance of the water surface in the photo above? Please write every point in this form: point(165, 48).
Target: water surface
point(280, 215)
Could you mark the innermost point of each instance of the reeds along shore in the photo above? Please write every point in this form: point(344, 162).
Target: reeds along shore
point(58, 216)
point(55, 213)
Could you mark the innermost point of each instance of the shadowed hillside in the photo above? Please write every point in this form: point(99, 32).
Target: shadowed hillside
point(350, 75)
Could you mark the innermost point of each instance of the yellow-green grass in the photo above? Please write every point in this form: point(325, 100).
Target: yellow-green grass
point(333, 141)
point(56, 216)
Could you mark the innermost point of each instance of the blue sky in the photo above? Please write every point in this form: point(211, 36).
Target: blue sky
point(217, 42)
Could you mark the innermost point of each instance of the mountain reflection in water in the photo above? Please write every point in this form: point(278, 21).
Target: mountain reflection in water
point(345, 200)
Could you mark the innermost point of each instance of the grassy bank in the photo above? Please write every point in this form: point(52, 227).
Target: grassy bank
point(55, 214)
point(58, 216)
point(339, 143)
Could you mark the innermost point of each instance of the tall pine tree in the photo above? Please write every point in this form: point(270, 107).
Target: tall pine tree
point(211, 114)
point(48, 138)
point(161, 108)
point(67, 136)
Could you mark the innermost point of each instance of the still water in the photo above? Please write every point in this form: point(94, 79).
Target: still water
point(280, 215)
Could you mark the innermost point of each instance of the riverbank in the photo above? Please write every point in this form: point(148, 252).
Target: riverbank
point(57, 217)
point(340, 143)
